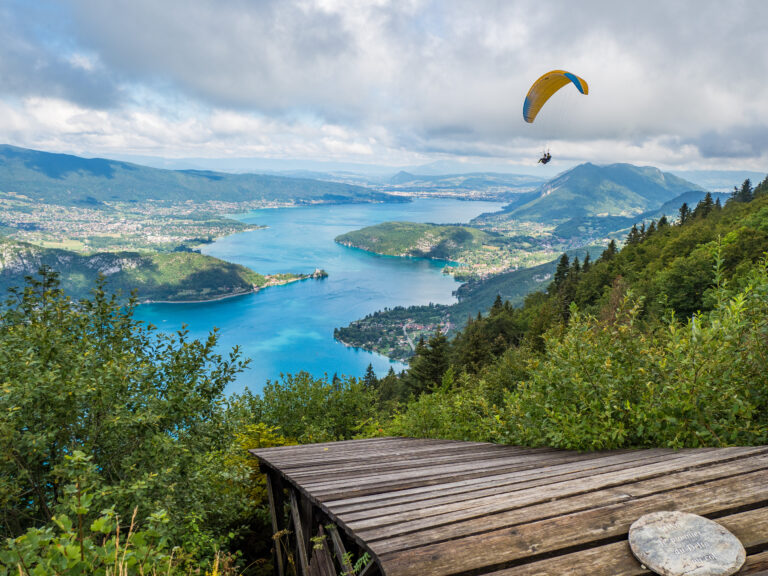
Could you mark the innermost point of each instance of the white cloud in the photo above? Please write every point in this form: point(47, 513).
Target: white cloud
point(679, 83)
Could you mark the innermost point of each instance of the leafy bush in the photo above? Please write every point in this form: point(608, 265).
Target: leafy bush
point(310, 409)
point(610, 385)
point(69, 547)
point(146, 408)
point(458, 410)
point(619, 380)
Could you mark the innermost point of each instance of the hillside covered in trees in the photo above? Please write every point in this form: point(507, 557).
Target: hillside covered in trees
point(121, 454)
point(659, 343)
point(72, 180)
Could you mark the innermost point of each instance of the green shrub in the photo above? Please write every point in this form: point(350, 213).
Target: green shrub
point(613, 384)
point(458, 410)
point(310, 409)
point(146, 408)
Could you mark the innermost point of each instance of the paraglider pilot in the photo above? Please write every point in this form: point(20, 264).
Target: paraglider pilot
point(546, 158)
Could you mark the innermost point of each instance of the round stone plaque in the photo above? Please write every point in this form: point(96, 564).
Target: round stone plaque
point(678, 543)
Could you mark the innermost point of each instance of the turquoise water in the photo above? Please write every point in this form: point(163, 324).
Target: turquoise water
point(285, 329)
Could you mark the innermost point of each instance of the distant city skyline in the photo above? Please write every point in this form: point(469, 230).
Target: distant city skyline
point(679, 85)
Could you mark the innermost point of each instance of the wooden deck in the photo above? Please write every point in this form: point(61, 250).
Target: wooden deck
point(436, 507)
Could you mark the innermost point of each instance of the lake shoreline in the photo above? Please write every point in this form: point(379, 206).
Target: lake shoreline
point(290, 330)
point(318, 274)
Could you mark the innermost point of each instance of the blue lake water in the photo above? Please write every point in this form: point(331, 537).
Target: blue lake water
point(285, 329)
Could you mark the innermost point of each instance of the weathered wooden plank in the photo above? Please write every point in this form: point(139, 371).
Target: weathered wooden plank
point(385, 482)
point(362, 467)
point(285, 454)
point(638, 471)
point(535, 504)
point(298, 528)
point(493, 483)
point(544, 536)
point(542, 473)
point(516, 458)
point(347, 444)
point(275, 503)
point(756, 565)
point(338, 466)
point(351, 446)
point(366, 454)
point(370, 453)
point(616, 559)
point(306, 512)
point(633, 482)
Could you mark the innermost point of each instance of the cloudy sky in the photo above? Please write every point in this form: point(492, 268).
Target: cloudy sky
point(673, 83)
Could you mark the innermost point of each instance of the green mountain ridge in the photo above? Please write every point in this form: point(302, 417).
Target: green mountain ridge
point(71, 180)
point(590, 190)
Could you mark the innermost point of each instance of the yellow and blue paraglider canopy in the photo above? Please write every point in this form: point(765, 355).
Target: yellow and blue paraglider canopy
point(547, 85)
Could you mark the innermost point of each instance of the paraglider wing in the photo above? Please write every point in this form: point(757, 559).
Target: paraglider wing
point(547, 85)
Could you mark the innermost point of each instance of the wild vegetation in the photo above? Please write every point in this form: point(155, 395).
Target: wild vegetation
point(659, 344)
point(120, 454)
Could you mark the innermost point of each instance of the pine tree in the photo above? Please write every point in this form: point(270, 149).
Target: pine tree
point(663, 222)
point(370, 380)
point(428, 364)
point(471, 349)
point(498, 306)
point(761, 188)
point(392, 388)
point(609, 252)
point(634, 236)
point(685, 214)
point(704, 207)
point(743, 194)
point(561, 273)
point(585, 266)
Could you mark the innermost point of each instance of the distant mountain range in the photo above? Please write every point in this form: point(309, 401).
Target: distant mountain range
point(470, 186)
point(671, 208)
point(468, 180)
point(589, 190)
point(71, 180)
point(720, 180)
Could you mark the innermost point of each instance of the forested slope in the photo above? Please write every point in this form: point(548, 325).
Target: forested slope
point(659, 343)
point(175, 276)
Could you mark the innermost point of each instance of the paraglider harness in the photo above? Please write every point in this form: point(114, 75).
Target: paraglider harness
point(546, 158)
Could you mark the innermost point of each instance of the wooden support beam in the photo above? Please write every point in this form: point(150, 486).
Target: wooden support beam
point(321, 563)
point(370, 569)
point(301, 549)
point(341, 553)
point(307, 521)
point(275, 508)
